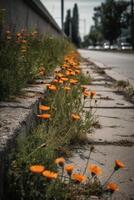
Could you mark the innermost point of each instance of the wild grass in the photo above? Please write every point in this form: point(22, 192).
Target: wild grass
point(25, 56)
point(51, 138)
point(37, 168)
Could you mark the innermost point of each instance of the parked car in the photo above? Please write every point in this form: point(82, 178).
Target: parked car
point(126, 46)
point(114, 47)
point(106, 45)
point(98, 47)
point(91, 47)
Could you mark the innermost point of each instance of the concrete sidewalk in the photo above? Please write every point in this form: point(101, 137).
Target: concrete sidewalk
point(115, 137)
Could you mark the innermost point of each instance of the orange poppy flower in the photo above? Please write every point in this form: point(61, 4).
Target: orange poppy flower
point(119, 164)
point(49, 174)
point(77, 71)
point(44, 116)
point(18, 34)
point(93, 93)
point(44, 108)
point(60, 161)
point(52, 87)
point(78, 178)
point(59, 75)
point(55, 81)
point(84, 87)
point(95, 170)
point(60, 81)
point(86, 93)
point(112, 187)
point(75, 117)
point(73, 81)
point(69, 169)
point(37, 168)
point(65, 65)
point(64, 79)
point(72, 72)
point(67, 88)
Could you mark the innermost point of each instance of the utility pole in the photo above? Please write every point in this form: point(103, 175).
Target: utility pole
point(62, 14)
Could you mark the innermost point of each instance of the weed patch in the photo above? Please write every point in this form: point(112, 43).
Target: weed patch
point(25, 56)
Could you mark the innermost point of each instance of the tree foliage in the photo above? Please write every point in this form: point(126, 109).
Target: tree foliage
point(113, 19)
point(109, 19)
point(71, 26)
point(75, 26)
point(67, 25)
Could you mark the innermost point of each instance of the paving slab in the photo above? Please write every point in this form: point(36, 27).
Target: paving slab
point(115, 137)
point(109, 99)
point(116, 125)
point(100, 88)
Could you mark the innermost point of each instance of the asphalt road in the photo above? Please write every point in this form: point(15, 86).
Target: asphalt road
point(122, 63)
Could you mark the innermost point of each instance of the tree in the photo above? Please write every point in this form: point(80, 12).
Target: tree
point(67, 25)
point(132, 23)
point(75, 26)
point(95, 35)
point(112, 18)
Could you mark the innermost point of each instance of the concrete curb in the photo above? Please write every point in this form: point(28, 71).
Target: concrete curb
point(114, 75)
point(17, 118)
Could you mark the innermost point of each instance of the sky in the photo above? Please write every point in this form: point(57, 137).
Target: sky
point(86, 10)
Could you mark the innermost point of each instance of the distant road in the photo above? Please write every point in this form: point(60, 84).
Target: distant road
point(122, 63)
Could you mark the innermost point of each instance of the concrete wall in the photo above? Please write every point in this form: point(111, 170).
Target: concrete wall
point(29, 15)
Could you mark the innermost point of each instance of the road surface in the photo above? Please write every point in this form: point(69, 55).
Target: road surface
point(122, 63)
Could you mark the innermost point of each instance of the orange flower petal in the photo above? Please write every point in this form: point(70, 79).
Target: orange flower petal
point(44, 116)
point(67, 88)
point(86, 93)
point(95, 170)
point(78, 177)
point(112, 186)
point(52, 87)
point(73, 81)
point(42, 107)
point(64, 79)
point(69, 168)
point(119, 164)
point(60, 161)
point(37, 168)
point(49, 174)
point(75, 117)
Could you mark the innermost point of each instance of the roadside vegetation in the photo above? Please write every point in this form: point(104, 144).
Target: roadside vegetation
point(37, 168)
point(24, 57)
point(126, 88)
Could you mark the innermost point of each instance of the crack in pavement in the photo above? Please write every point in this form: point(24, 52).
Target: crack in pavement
point(110, 107)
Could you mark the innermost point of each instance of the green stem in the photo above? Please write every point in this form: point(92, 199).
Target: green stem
point(87, 162)
point(108, 178)
point(39, 147)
